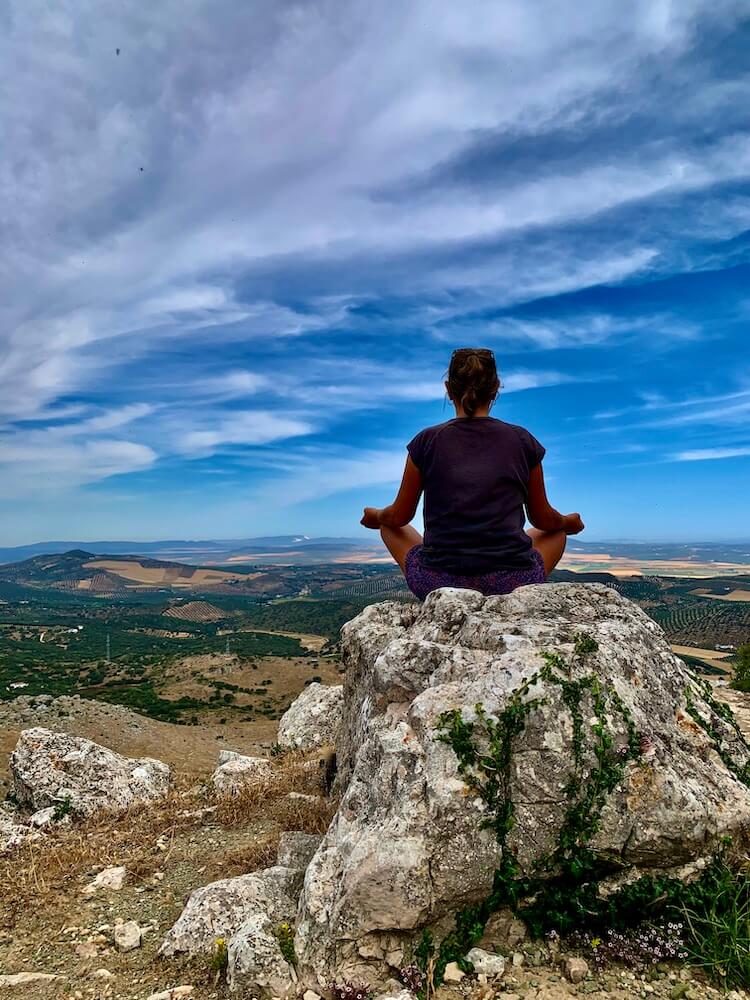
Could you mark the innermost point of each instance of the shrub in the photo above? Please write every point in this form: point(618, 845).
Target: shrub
point(741, 677)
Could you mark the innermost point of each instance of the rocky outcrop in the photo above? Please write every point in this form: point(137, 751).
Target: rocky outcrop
point(81, 777)
point(587, 687)
point(313, 719)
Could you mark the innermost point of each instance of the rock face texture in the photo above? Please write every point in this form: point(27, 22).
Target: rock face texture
point(51, 768)
point(313, 719)
point(598, 691)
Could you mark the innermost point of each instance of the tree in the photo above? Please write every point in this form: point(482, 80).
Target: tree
point(741, 678)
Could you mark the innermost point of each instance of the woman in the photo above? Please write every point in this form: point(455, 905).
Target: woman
point(477, 474)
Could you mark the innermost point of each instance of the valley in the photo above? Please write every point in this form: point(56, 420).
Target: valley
point(205, 646)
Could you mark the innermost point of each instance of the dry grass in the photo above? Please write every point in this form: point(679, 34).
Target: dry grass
point(274, 798)
point(46, 864)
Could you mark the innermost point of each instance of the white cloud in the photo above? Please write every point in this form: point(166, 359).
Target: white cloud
point(709, 454)
point(241, 428)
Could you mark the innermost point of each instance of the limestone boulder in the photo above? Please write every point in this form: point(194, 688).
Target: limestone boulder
point(218, 910)
point(237, 773)
point(50, 769)
point(410, 845)
point(313, 719)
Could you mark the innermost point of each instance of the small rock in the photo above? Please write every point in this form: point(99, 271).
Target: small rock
point(87, 949)
point(27, 978)
point(127, 936)
point(486, 964)
point(517, 959)
point(174, 994)
point(452, 973)
point(576, 969)
point(102, 974)
point(678, 991)
point(110, 878)
point(311, 995)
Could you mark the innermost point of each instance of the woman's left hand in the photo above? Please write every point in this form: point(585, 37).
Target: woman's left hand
point(371, 517)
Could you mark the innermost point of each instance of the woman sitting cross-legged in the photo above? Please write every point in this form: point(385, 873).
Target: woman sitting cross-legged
point(477, 474)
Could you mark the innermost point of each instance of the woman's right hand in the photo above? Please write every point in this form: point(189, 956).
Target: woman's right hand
point(573, 524)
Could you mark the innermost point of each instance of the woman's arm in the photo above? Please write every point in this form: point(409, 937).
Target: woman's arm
point(403, 508)
point(542, 514)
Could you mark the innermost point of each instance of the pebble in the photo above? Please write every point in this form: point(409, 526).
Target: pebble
point(174, 994)
point(86, 949)
point(127, 936)
point(311, 995)
point(27, 978)
point(452, 973)
point(576, 969)
point(110, 878)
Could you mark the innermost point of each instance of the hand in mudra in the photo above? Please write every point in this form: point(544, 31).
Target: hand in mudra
point(371, 517)
point(573, 524)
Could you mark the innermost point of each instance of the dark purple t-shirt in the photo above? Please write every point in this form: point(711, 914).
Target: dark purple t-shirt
point(475, 474)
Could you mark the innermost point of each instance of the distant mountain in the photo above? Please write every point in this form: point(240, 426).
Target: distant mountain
point(89, 574)
point(264, 549)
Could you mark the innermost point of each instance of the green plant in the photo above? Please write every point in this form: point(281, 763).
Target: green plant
point(741, 672)
point(285, 937)
point(716, 915)
point(219, 959)
point(62, 809)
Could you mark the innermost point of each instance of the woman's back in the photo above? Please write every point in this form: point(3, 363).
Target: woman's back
point(475, 474)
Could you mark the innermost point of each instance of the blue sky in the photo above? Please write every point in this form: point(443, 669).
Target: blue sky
point(235, 257)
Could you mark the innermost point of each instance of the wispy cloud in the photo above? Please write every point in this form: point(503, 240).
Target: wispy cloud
point(709, 454)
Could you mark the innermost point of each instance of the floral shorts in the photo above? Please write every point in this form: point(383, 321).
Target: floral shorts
point(422, 579)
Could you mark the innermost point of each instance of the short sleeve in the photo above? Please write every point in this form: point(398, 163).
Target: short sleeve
point(535, 451)
point(416, 448)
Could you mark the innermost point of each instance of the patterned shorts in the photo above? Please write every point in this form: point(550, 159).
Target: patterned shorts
point(422, 579)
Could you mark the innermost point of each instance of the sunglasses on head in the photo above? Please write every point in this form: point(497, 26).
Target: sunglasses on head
point(481, 352)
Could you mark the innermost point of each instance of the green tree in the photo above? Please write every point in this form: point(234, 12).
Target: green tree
point(741, 678)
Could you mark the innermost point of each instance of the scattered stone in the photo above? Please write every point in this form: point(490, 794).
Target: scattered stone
point(102, 974)
point(174, 994)
point(576, 969)
point(112, 879)
point(452, 973)
point(486, 964)
point(314, 718)
point(43, 817)
point(128, 936)
point(311, 995)
point(517, 959)
point(55, 769)
point(238, 772)
point(87, 949)
point(27, 978)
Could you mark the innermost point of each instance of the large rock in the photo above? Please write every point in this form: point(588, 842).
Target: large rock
point(51, 768)
point(313, 719)
point(256, 965)
point(409, 845)
point(236, 773)
point(218, 910)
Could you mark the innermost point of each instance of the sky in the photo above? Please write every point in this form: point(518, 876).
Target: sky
point(239, 241)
